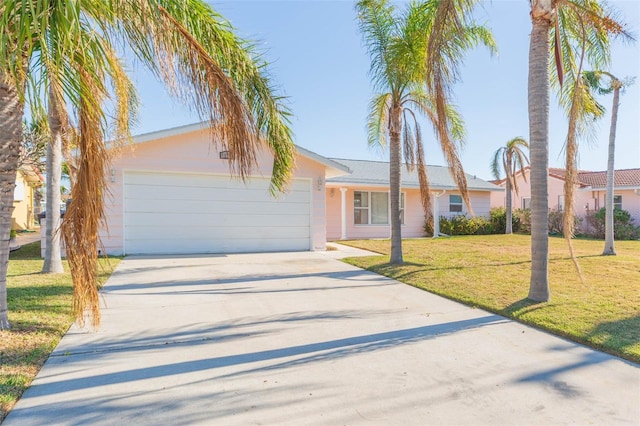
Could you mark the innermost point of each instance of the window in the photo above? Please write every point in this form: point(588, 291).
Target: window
point(526, 203)
point(455, 203)
point(617, 202)
point(560, 203)
point(360, 208)
point(373, 208)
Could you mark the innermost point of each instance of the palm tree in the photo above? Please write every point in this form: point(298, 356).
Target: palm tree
point(510, 158)
point(581, 26)
point(593, 79)
point(186, 44)
point(400, 46)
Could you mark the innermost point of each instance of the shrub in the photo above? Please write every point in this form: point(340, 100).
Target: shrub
point(463, 225)
point(498, 218)
point(555, 223)
point(623, 226)
point(524, 220)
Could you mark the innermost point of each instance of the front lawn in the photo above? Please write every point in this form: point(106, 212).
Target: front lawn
point(492, 272)
point(39, 313)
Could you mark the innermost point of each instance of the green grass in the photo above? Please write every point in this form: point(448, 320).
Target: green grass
point(492, 272)
point(39, 313)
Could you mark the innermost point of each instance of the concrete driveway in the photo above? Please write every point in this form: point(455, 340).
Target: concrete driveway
point(301, 338)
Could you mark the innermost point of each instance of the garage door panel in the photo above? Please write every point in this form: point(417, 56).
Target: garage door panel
point(192, 213)
point(171, 246)
point(198, 220)
point(217, 235)
point(139, 194)
point(214, 206)
point(192, 180)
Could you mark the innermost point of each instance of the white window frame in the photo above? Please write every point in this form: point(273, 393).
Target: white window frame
point(617, 205)
point(461, 204)
point(526, 203)
point(369, 206)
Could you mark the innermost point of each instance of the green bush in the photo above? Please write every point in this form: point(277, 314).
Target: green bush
point(13, 233)
point(463, 225)
point(524, 220)
point(556, 223)
point(623, 225)
point(498, 218)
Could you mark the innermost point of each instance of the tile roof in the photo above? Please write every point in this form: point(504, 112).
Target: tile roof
point(623, 177)
point(377, 173)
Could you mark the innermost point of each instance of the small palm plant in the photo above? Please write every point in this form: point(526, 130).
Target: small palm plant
point(510, 158)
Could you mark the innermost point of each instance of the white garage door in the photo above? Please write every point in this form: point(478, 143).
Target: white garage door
point(180, 213)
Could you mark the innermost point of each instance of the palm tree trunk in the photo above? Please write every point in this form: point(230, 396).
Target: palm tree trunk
point(609, 245)
point(395, 167)
point(539, 143)
point(52, 256)
point(11, 111)
point(509, 205)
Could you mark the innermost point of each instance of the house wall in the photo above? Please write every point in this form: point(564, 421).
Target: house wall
point(193, 153)
point(555, 192)
point(414, 218)
point(596, 200)
point(22, 216)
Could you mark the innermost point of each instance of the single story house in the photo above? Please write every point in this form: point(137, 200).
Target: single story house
point(358, 202)
point(25, 203)
point(589, 195)
point(170, 192)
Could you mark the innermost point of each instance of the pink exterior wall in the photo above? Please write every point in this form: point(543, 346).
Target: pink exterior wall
point(414, 215)
point(586, 199)
point(193, 153)
point(555, 191)
point(596, 200)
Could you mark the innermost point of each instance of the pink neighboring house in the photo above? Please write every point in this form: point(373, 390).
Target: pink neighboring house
point(590, 192)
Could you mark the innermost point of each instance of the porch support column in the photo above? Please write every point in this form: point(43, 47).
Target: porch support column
point(436, 216)
point(343, 216)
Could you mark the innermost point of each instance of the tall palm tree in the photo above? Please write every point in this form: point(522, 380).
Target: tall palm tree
point(510, 158)
point(400, 45)
point(186, 44)
point(570, 29)
point(594, 80)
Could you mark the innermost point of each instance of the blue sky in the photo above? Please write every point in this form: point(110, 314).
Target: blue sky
point(319, 62)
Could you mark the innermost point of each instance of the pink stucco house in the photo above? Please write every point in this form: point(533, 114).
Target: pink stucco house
point(171, 193)
point(590, 191)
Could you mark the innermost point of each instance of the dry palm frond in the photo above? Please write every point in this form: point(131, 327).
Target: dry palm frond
point(83, 217)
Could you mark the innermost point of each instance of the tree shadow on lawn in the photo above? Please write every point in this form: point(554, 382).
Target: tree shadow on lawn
point(620, 334)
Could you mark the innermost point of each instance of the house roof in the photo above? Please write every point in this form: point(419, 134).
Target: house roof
point(333, 168)
point(376, 173)
point(622, 177)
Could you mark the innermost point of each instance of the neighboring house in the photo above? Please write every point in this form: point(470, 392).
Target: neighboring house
point(589, 195)
point(358, 203)
point(25, 203)
point(171, 193)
